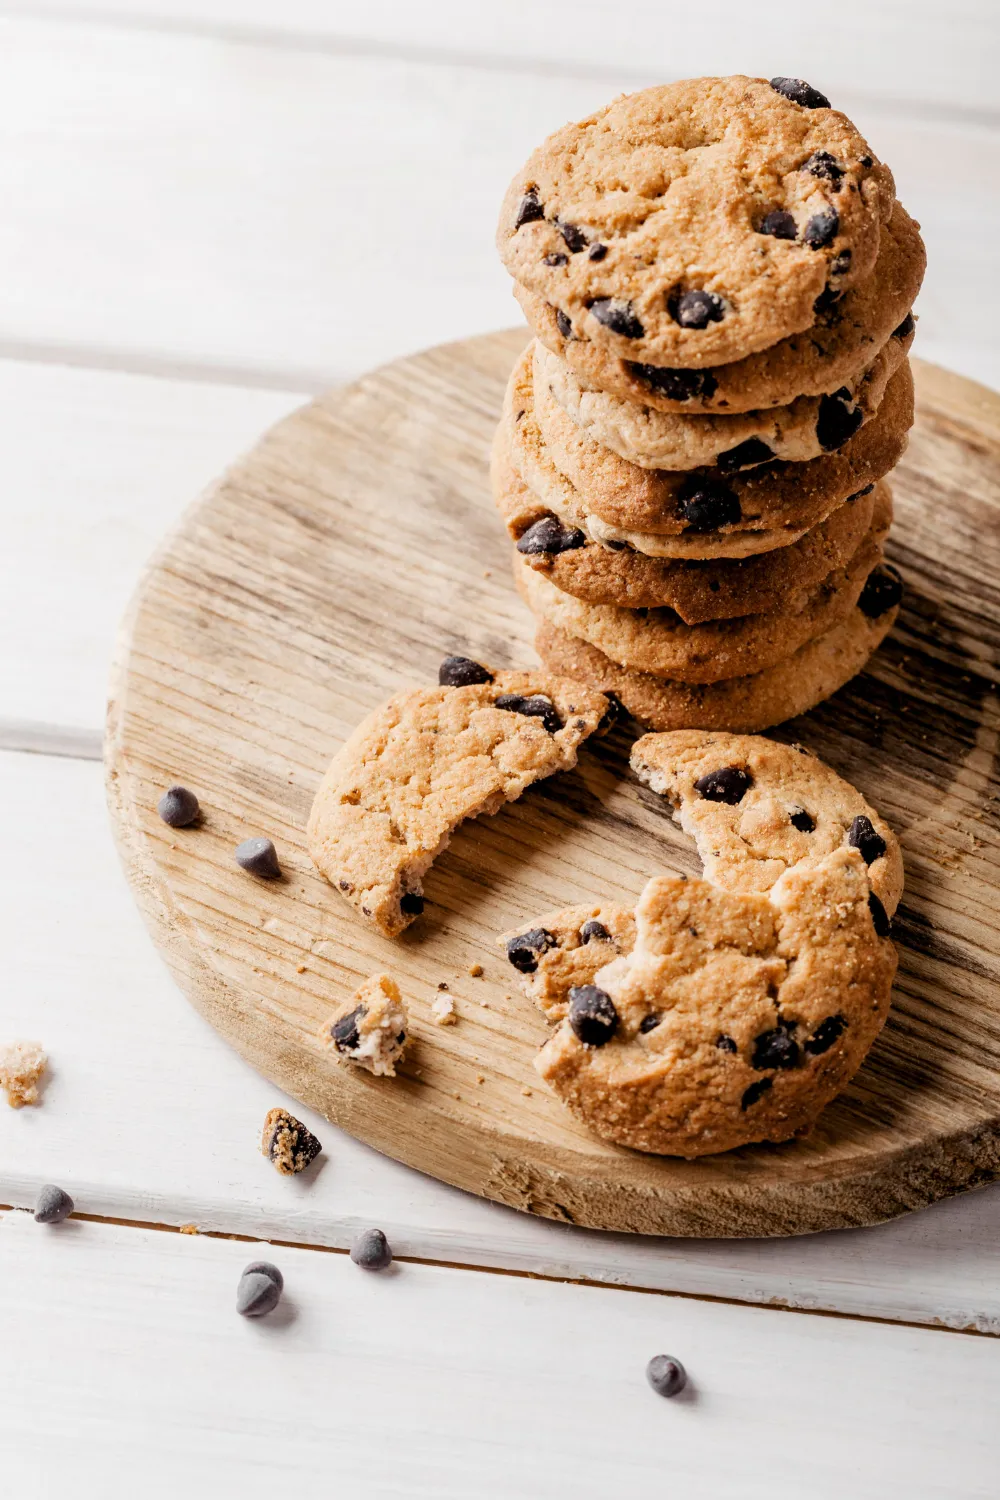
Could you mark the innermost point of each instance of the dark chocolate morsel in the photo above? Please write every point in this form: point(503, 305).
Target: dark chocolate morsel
point(862, 836)
point(729, 784)
point(780, 224)
point(412, 904)
point(882, 591)
point(838, 420)
point(676, 385)
point(258, 856)
point(178, 807)
point(52, 1205)
point(880, 917)
point(756, 1091)
point(696, 309)
point(825, 1035)
point(905, 328)
point(563, 324)
point(596, 930)
point(549, 535)
point(666, 1375)
point(866, 161)
point(705, 504)
point(822, 164)
point(556, 259)
point(649, 1023)
point(592, 1015)
point(800, 92)
point(529, 209)
point(802, 820)
point(371, 1251)
point(775, 1049)
point(523, 951)
point(265, 1268)
point(344, 1033)
point(726, 1044)
point(256, 1294)
point(597, 252)
point(821, 228)
point(462, 671)
point(618, 316)
point(744, 455)
point(573, 235)
point(535, 707)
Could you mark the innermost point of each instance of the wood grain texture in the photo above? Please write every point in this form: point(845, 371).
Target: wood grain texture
point(340, 561)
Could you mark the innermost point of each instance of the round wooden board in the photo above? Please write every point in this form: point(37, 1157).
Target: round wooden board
point(352, 549)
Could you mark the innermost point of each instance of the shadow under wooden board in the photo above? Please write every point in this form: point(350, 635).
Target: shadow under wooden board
point(338, 562)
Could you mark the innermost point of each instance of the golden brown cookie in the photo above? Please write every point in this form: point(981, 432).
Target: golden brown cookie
point(696, 222)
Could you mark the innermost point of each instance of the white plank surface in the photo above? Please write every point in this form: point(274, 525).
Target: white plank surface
point(133, 1375)
point(148, 1115)
point(187, 202)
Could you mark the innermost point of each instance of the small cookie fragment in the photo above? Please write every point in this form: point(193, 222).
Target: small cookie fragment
point(259, 1290)
point(52, 1205)
point(666, 1375)
point(287, 1143)
point(178, 807)
point(370, 1028)
point(21, 1066)
point(258, 856)
point(371, 1251)
point(443, 1011)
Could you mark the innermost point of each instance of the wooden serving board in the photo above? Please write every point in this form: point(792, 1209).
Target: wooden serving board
point(338, 562)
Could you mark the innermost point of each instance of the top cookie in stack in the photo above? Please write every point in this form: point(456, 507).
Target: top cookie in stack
point(692, 454)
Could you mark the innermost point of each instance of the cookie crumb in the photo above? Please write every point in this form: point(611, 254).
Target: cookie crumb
point(475, 970)
point(188, 1229)
point(287, 1143)
point(300, 968)
point(526, 1091)
point(487, 572)
point(443, 1011)
point(442, 985)
point(480, 1077)
point(21, 1066)
point(370, 1028)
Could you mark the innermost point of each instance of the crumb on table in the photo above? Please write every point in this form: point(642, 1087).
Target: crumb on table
point(286, 1142)
point(443, 1011)
point(21, 1066)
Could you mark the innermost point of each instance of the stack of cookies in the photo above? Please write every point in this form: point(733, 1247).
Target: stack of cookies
point(692, 457)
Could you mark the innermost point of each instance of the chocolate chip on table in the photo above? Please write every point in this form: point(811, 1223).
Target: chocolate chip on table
point(800, 92)
point(666, 1375)
point(548, 536)
point(288, 1144)
point(696, 309)
point(344, 1033)
point(726, 1044)
point(775, 1049)
point(529, 209)
point(705, 505)
point(862, 836)
point(592, 1015)
point(535, 707)
point(803, 821)
point(370, 1250)
point(676, 385)
point(574, 236)
point(596, 930)
point(618, 316)
point(780, 224)
point(411, 904)
point(258, 856)
point(905, 328)
point(563, 324)
point(729, 784)
point(753, 451)
point(838, 420)
point(756, 1091)
point(822, 164)
point(882, 591)
point(52, 1205)
point(265, 1268)
point(523, 951)
point(556, 259)
point(597, 252)
point(461, 671)
point(178, 807)
point(649, 1023)
point(821, 228)
point(880, 917)
point(259, 1290)
point(826, 1033)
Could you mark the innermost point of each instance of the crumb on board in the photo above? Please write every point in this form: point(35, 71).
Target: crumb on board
point(526, 1091)
point(188, 1229)
point(443, 1011)
point(21, 1066)
point(476, 970)
point(480, 1077)
point(442, 984)
point(300, 968)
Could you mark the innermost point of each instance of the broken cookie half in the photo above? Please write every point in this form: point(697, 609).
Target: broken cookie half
point(428, 759)
point(370, 1029)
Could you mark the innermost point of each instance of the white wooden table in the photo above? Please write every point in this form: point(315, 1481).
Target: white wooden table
point(209, 209)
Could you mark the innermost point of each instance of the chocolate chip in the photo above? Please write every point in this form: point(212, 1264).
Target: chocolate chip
point(536, 707)
point(597, 252)
point(866, 161)
point(371, 1251)
point(529, 209)
point(821, 228)
point(344, 1033)
point(592, 1015)
point(573, 235)
point(800, 92)
point(825, 1035)
point(265, 1268)
point(756, 1091)
point(726, 1044)
point(880, 917)
point(696, 309)
point(649, 1023)
point(523, 951)
point(460, 671)
point(705, 505)
point(841, 264)
point(549, 535)
point(666, 1375)
point(729, 784)
point(779, 223)
point(52, 1205)
point(676, 385)
point(802, 820)
point(556, 259)
point(838, 420)
point(862, 836)
point(882, 591)
point(178, 807)
point(563, 324)
point(258, 856)
point(595, 930)
point(775, 1049)
point(288, 1144)
point(905, 328)
point(827, 298)
point(822, 164)
point(412, 904)
point(257, 1294)
point(744, 455)
point(618, 316)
